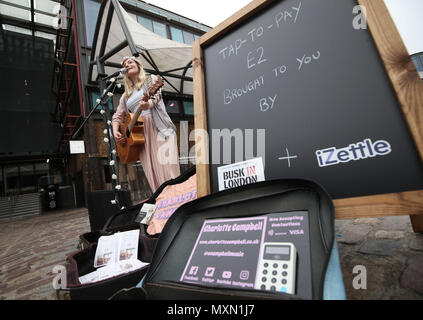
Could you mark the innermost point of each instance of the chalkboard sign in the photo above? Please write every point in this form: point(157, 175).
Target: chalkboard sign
point(302, 84)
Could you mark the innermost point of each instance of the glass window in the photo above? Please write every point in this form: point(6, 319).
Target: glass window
point(95, 96)
point(173, 107)
point(188, 37)
point(41, 174)
point(41, 167)
point(27, 179)
point(11, 174)
point(160, 29)
point(419, 61)
point(1, 182)
point(50, 6)
point(189, 108)
point(145, 22)
point(15, 12)
point(176, 34)
point(91, 9)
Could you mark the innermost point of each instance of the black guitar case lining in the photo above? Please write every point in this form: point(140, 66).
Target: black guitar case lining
point(125, 221)
point(180, 234)
point(81, 262)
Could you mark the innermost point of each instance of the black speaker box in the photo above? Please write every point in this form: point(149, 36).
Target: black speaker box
point(100, 207)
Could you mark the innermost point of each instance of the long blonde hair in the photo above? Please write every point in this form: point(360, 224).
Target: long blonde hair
point(129, 85)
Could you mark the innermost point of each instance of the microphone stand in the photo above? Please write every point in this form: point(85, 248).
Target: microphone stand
point(109, 139)
point(108, 89)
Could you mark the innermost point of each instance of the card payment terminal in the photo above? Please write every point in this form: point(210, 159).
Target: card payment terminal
point(276, 269)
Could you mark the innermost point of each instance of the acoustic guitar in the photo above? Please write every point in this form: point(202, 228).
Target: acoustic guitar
point(133, 129)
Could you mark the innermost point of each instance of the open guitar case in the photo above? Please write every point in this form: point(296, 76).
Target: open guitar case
point(180, 235)
point(81, 262)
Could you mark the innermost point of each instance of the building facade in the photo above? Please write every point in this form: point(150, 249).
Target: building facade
point(45, 48)
point(90, 171)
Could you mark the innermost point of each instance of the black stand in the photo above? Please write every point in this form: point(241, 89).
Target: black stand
point(108, 89)
point(109, 139)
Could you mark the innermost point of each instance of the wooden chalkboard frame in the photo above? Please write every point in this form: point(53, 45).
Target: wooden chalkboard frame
point(405, 81)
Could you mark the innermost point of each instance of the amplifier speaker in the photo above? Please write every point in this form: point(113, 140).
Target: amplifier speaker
point(100, 208)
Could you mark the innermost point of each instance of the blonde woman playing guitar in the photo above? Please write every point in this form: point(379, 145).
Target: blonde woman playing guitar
point(153, 137)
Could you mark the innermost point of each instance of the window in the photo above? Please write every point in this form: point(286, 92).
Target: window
point(183, 36)
point(173, 107)
point(188, 37)
point(419, 62)
point(27, 178)
point(160, 29)
point(154, 26)
point(91, 9)
point(189, 108)
point(145, 22)
point(1, 183)
point(95, 96)
point(176, 35)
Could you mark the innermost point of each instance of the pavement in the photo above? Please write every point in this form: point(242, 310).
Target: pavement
point(391, 253)
point(381, 258)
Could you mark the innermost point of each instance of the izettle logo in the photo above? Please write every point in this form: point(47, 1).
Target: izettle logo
point(354, 152)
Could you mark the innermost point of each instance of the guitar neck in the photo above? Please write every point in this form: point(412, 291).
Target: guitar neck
point(152, 91)
point(133, 120)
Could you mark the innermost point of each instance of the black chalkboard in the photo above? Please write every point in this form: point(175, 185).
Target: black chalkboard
point(300, 71)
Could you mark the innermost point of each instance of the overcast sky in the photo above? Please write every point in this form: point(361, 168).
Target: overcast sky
point(407, 14)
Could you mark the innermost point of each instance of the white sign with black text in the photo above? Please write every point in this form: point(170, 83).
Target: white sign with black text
point(241, 173)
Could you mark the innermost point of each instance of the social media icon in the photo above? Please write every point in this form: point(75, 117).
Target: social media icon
point(226, 274)
point(209, 272)
point(244, 275)
point(194, 270)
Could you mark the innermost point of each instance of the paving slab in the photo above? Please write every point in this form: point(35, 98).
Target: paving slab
point(416, 242)
point(396, 223)
point(393, 234)
point(353, 233)
point(412, 277)
point(31, 247)
point(379, 247)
